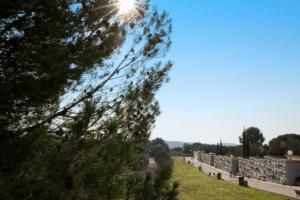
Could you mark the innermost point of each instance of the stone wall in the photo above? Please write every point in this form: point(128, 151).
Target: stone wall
point(252, 168)
point(197, 155)
point(227, 163)
point(271, 169)
point(275, 170)
point(204, 157)
point(207, 158)
point(267, 169)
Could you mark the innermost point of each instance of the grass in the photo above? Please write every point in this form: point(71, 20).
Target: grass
point(195, 185)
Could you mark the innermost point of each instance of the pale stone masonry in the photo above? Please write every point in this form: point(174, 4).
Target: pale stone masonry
point(276, 170)
point(252, 168)
point(271, 169)
point(204, 157)
point(228, 164)
point(197, 155)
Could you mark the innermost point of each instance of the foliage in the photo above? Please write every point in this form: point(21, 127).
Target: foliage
point(281, 144)
point(254, 135)
point(212, 148)
point(159, 150)
point(152, 187)
point(177, 151)
point(154, 184)
point(77, 98)
point(220, 148)
point(187, 148)
point(158, 146)
point(277, 147)
point(254, 143)
point(194, 185)
point(246, 145)
point(45, 48)
point(252, 140)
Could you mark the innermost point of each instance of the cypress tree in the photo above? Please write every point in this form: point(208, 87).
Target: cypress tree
point(244, 144)
point(247, 146)
point(221, 148)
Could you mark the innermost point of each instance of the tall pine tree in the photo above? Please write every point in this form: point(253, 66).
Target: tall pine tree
point(77, 105)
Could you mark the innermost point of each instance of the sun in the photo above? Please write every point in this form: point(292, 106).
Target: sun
point(127, 7)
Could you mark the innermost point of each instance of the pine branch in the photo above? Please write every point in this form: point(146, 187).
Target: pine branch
point(88, 95)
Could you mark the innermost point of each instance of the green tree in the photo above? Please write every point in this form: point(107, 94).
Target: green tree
point(77, 106)
point(221, 148)
point(246, 147)
point(158, 146)
point(252, 140)
point(188, 148)
point(179, 149)
point(255, 136)
point(45, 48)
point(209, 148)
point(155, 186)
point(283, 143)
point(176, 151)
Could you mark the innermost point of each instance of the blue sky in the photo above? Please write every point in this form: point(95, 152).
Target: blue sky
point(236, 64)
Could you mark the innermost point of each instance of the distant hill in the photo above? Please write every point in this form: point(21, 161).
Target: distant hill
point(231, 144)
point(173, 144)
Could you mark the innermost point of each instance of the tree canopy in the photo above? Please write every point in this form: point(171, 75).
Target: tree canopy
point(252, 140)
point(77, 104)
point(283, 143)
point(254, 135)
point(158, 146)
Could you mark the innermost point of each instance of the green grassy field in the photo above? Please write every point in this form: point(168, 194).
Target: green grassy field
point(194, 185)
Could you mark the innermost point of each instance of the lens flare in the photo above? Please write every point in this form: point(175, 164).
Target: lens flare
point(127, 7)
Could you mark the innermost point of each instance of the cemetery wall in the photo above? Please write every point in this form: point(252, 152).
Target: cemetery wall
point(227, 163)
point(207, 158)
point(197, 155)
point(271, 169)
point(204, 157)
point(252, 168)
point(276, 170)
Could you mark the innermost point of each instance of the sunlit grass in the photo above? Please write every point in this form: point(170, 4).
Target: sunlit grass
point(195, 185)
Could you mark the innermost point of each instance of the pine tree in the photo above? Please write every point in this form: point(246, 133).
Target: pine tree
point(77, 106)
point(252, 140)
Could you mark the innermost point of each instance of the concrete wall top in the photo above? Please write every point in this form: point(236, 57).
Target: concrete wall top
point(274, 158)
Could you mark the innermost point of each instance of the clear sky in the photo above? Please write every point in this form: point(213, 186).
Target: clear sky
point(236, 64)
